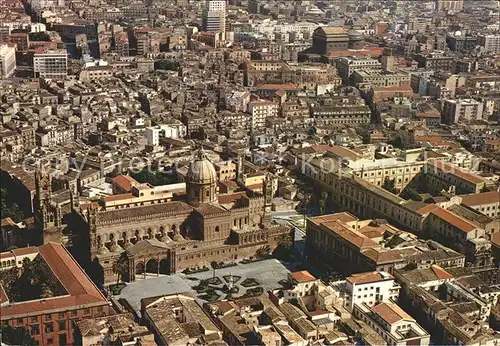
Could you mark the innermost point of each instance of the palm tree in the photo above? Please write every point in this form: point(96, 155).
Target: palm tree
point(306, 200)
point(285, 241)
point(45, 291)
point(322, 202)
point(120, 267)
point(32, 271)
point(263, 251)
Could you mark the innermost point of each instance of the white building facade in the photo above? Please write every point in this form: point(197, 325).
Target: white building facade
point(7, 60)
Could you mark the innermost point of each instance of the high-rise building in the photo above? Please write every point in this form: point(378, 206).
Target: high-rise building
point(51, 63)
point(454, 5)
point(461, 110)
point(214, 16)
point(7, 60)
point(491, 43)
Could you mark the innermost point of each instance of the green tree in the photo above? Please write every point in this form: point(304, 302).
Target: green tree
point(120, 267)
point(305, 202)
point(401, 140)
point(8, 209)
point(390, 185)
point(322, 202)
point(46, 291)
point(263, 251)
point(285, 245)
point(16, 336)
point(167, 65)
point(285, 241)
point(8, 279)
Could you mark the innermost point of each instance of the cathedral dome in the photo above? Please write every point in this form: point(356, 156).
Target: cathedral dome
point(201, 170)
point(355, 35)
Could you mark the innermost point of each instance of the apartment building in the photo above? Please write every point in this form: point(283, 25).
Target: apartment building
point(343, 238)
point(177, 319)
point(347, 65)
point(446, 176)
point(435, 60)
point(488, 203)
point(260, 110)
point(370, 288)
point(345, 111)
point(7, 60)
point(455, 111)
point(154, 134)
point(393, 324)
point(490, 43)
point(453, 5)
point(380, 79)
point(461, 43)
point(423, 289)
point(50, 63)
point(214, 16)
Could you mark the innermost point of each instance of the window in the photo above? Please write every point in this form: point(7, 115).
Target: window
point(62, 325)
point(48, 317)
point(49, 328)
point(50, 341)
point(19, 321)
point(62, 315)
point(73, 313)
point(35, 330)
point(34, 319)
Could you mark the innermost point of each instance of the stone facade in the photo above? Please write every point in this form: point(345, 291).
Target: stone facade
point(171, 236)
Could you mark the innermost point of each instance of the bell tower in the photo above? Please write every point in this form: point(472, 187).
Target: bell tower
point(268, 193)
point(46, 215)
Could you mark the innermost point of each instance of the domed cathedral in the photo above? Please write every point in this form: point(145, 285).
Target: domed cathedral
point(202, 185)
point(190, 231)
point(327, 39)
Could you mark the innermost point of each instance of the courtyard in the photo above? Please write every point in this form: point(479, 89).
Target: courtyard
point(267, 275)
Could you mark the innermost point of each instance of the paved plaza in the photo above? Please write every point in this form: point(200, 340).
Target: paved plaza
point(268, 273)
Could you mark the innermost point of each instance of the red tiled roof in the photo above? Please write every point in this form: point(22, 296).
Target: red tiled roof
point(118, 197)
point(363, 52)
point(124, 182)
point(230, 198)
point(441, 273)
point(454, 220)
point(427, 209)
point(481, 198)
point(3, 295)
point(25, 251)
point(19, 252)
point(352, 236)
point(255, 186)
point(364, 278)
point(380, 257)
point(287, 86)
point(391, 313)
point(81, 291)
point(342, 217)
point(302, 276)
point(450, 168)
